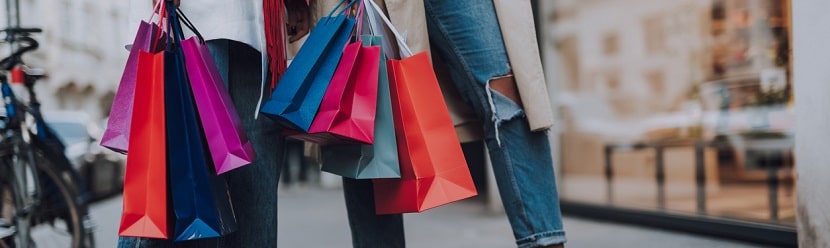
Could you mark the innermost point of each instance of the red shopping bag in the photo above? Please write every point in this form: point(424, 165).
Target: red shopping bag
point(433, 169)
point(145, 180)
point(347, 112)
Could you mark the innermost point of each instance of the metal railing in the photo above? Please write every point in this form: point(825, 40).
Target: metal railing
point(767, 147)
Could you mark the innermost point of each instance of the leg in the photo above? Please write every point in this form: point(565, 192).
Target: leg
point(253, 187)
point(467, 36)
point(291, 166)
point(369, 229)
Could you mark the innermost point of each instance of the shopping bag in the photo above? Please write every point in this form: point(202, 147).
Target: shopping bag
point(199, 197)
point(347, 112)
point(433, 169)
point(297, 97)
point(117, 133)
point(145, 179)
point(379, 160)
point(229, 146)
point(144, 199)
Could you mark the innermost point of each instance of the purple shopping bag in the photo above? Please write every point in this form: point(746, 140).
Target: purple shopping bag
point(117, 135)
point(229, 146)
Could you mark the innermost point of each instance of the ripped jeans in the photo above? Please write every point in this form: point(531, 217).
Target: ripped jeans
point(466, 35)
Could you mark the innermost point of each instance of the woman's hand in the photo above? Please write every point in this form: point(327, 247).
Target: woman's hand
point(176, 2)
point(299, 16)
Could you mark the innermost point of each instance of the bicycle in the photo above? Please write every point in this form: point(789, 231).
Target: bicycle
point(42, 199)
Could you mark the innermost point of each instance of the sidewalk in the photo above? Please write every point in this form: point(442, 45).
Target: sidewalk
point(315, 218)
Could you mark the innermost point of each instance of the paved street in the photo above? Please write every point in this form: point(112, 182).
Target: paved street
point(314, 218)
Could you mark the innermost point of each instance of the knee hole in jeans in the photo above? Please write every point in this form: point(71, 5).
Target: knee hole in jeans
point(506, 86)
point(504, 100)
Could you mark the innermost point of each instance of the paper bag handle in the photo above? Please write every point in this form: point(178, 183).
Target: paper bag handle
point(404, 48)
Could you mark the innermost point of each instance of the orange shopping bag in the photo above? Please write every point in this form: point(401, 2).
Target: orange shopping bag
point(145, 208)
point(145, 181)
point(433, 169)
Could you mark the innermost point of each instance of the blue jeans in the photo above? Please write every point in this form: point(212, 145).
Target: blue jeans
point(466, 35)
point(253, 188)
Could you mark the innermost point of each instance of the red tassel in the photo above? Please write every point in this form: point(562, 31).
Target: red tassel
point(274, 13)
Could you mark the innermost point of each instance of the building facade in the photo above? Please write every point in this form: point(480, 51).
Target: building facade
point(82, 51)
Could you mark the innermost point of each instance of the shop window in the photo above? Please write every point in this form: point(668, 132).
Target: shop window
point(705, 128)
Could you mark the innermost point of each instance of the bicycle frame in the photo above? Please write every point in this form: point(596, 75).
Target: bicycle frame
point(16, 135)
point(24, 137)
point(24, 183)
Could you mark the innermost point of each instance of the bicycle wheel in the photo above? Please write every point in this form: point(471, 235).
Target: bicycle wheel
point(60, 219)
point(7, 230)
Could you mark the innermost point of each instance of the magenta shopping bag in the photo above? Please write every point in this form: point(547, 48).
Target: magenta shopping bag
point(117, 135)
point(229, 146)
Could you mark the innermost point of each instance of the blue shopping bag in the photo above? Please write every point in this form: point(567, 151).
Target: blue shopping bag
point(379, 160)
point(297, 97)
point(199, 196)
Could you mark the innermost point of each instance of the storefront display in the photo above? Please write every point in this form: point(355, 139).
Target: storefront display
point(690, 113)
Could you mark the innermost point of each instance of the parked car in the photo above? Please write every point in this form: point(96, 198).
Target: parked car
point(102, 169)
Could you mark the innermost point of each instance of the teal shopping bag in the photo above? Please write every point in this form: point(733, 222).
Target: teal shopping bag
point(297, 97)
point(379, 160)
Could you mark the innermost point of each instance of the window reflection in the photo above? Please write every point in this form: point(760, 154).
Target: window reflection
point(681, 106)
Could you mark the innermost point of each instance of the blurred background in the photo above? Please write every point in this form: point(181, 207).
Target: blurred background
point(675, 106)
point(670, 114)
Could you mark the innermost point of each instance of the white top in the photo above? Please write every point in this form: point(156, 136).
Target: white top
point(239, 20)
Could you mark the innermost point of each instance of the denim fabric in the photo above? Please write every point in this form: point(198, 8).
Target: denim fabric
point(369, 229)
point(466, 35)
point(253, 188)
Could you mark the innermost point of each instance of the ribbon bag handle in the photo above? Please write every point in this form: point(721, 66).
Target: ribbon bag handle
point(176, 23)
point(187, 23)
point(334, 10)
point(174, 29)
point(405, 51)
point(359, 19)
point(162, 11)
point(376, 28)
point(157, 10)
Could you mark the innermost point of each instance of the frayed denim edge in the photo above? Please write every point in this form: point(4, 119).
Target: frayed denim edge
point(542, 239)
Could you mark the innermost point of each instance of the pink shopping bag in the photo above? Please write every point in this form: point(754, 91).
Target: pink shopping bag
point(349, 107)
point(226, 139)
point(117, 135)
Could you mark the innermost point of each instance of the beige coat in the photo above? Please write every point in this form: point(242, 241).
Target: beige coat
point(518, 29)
